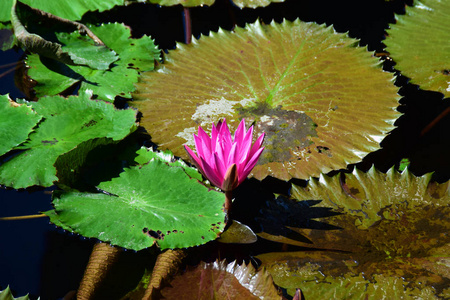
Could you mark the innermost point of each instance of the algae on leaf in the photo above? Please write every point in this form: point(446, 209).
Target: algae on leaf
point(66, 123)
point(322, 101)
point(149, 204)
point(419, 43)
point(389, 239)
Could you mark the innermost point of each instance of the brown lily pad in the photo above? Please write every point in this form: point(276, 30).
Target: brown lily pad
point(220, 280)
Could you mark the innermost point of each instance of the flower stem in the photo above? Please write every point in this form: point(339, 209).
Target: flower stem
point(23, 217)
point(187, 25)
point(228, 198)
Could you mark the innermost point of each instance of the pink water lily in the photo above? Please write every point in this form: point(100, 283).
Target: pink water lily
point(224, 160)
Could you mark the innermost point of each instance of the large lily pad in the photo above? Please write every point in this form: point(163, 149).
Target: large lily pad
point(16, 123)
point(389, 239)
point(66, 124)
point(322, 101)
point(150, 204)
point(220, 280)
point(419, 43)
point(135, 55)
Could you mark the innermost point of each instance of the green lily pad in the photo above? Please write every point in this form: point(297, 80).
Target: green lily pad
point(67, 123)
point(16, 123)
point(135, 55)
point(73, 49)
point(389, 239)
point(419, 44)
point(300, 83)
point(72, 10)
point(220, 280)
point(150, 204)
point(7, 295)
point(146, 154)
point(83, 51)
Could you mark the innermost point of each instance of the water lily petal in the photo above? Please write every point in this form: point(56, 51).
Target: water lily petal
point(205, 138)
point(224, 159)
point(225, 136)
point(246, 145)
point(193, 157)
point(233, 156)
point(239, 133)
point(257, 144)
point(230, 181)
point(211, 174)
point(220, 165)
point(250, 164)
point(214, 138)
point(200, 146)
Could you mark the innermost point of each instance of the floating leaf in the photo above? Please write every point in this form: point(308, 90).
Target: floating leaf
point(191, 3)
point(135, 55)
point(419, 44)
point(254, 3)
point(146, 154)
point(72, 49)
point(150, 204)
point(72, 10)
point(219, 280)
point(83, 51)
point(322, 102)
point(67, 123)
point(16, 123)
point(392, 241)
point(7, 295)
point(237, 233)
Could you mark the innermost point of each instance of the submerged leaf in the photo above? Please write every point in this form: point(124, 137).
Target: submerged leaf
point(390, 239)
point(419, 44)
point(16, 122)
point(300, 83)
point(219, 280)
point(67, 123)
point(150, 204)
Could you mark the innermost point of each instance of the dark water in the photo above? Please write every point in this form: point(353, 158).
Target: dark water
point(38, 258)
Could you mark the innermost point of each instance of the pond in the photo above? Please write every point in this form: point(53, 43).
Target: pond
point(328, 198)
